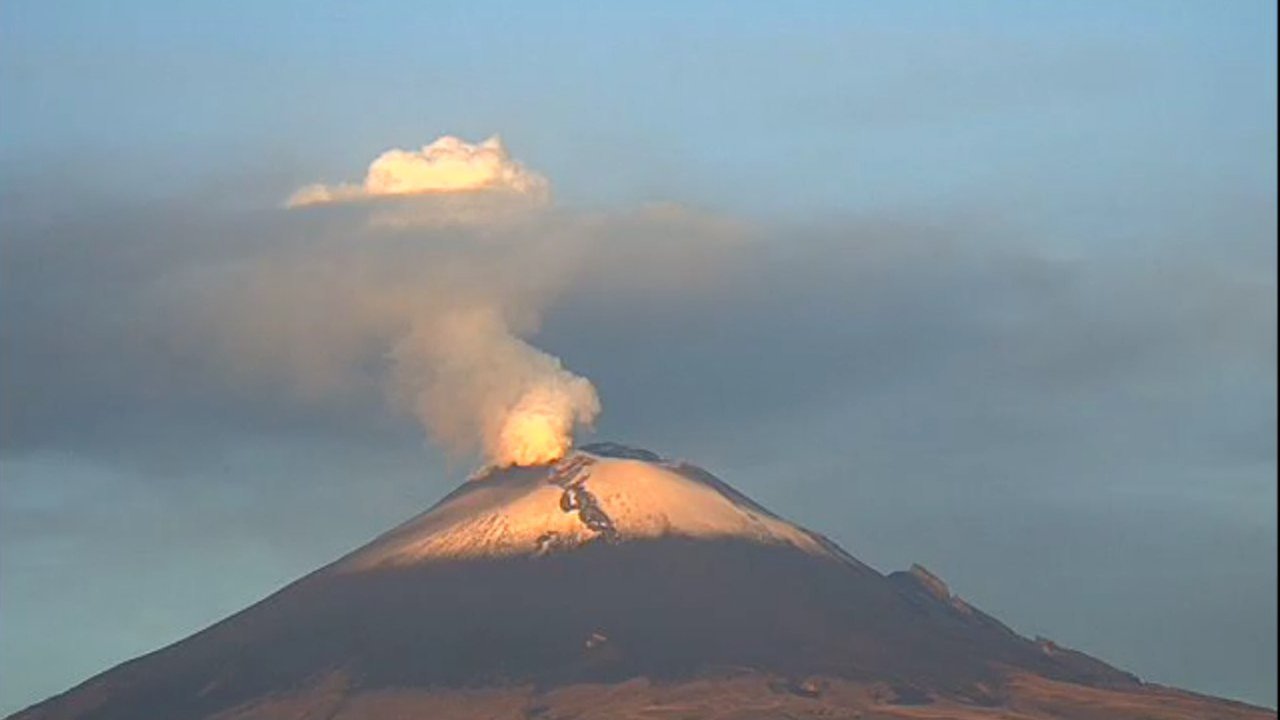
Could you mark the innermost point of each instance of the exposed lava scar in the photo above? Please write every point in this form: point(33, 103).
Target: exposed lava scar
point(571, 475)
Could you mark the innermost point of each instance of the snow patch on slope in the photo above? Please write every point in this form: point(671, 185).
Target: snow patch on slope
point(586, 498)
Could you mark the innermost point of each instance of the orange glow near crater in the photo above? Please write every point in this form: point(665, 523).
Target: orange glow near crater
point(531, 437)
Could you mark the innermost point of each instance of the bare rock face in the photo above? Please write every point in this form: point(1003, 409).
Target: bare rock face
point(614, 584)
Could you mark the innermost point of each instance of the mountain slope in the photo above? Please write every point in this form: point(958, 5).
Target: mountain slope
point(619, 584)
point(590, 497)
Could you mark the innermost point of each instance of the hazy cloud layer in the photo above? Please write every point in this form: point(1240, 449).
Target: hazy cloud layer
point(126, 327)
point(253, 320)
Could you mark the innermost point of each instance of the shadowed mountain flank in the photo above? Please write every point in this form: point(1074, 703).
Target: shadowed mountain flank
point(620, 584)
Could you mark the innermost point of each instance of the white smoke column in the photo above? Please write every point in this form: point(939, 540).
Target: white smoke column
point(458, 366)
point(470, 380)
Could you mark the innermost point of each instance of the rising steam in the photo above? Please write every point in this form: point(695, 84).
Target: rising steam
point(457, 363)
point(472, 382)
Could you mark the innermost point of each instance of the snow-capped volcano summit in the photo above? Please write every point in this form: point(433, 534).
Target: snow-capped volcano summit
point(602, 493)
point(614, 584)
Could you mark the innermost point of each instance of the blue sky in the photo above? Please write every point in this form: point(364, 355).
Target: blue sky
point(1083, 190)
point(811, 106)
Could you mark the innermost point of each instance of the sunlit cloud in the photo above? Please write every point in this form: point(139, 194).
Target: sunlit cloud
point(447, 166)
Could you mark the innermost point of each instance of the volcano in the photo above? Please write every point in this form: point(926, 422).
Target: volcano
point(614, 584)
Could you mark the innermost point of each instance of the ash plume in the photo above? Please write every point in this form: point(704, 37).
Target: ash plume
point(453, 319)
point(471, 381)
point(324, 315)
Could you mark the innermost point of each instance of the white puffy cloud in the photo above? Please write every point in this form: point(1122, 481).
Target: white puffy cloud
point(448, 166)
